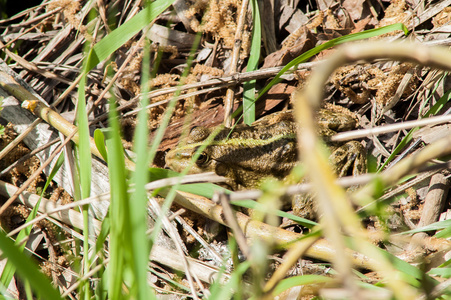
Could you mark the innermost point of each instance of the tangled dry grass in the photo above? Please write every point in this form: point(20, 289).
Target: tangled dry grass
point(44, 50)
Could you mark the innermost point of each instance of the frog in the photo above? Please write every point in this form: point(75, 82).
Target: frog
point(268, 148)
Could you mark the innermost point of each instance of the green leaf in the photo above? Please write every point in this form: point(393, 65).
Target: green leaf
point(442, 272)
point(290, 282)
point(201, 189)
point(258, 206)
point(445, 233)
point(410, 274)
point(439, 105)
point(99, 139)
point(444, 226)
point(84, 145)
point(398, 148)
point(431, 227)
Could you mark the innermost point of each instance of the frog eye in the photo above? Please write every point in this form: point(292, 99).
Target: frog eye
point(202, 159)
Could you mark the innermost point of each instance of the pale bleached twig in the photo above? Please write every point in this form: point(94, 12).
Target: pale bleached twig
point(8, 189)
point(361, 133)
point(18, 139)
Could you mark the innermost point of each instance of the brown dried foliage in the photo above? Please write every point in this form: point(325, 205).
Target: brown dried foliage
point(219, 18)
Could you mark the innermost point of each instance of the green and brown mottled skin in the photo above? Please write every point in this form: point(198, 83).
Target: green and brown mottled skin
point(265, 149)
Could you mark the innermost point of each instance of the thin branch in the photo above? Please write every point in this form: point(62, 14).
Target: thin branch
point(230, 95)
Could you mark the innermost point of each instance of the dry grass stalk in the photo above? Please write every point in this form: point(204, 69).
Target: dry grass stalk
point(230, 95)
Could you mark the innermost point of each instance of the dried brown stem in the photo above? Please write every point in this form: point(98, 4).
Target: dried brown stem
point(35, 174)
point(231, 221)
point(27, 156)
point(18, 139)
point(321, 249)
point(228, 80)
point(32, 67)
point(37, 107)
point(230, 95)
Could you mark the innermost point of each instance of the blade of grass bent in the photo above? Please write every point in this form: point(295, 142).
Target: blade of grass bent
point(446, 224)
point(201, 189)
point(432, 93)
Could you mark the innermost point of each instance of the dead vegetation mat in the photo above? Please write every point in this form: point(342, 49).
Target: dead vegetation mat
point(44, 46)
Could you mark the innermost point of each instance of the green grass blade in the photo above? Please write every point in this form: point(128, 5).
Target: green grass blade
point(410, 274)
point(119, 210)
point(201, 189)
point(125, 32)
point(332, 43)
point(442, 272)
point(439, 105)
point(432, 93)
point(103, 234)
point(444, 234)
point(444, 226)
point(290, 282)
point(56, 167)
point(84, 170)
point(260, 207)
point(138, 207)
point(84, 147)
point(252, 65)
point(431, 227)
point(99, 139)
point(398, 148)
